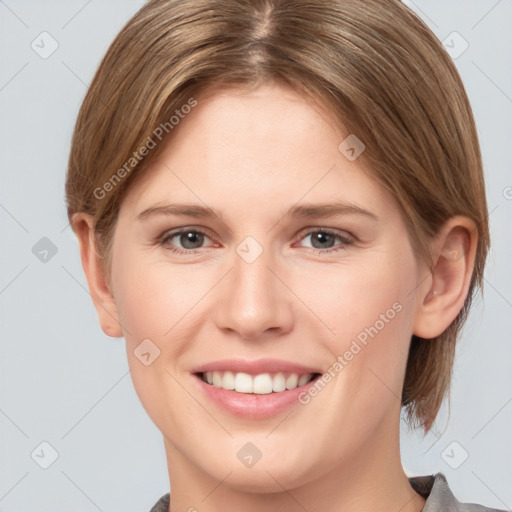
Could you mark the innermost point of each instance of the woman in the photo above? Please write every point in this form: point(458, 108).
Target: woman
point(280, 206)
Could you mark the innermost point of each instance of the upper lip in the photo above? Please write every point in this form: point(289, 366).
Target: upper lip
point(255, 367)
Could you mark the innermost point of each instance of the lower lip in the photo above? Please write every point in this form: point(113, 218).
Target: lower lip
point(251, 405)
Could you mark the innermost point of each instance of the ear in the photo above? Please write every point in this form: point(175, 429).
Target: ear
point(443, 294)
point(103, 299)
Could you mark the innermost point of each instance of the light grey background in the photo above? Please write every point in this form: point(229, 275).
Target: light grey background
point(63, 382)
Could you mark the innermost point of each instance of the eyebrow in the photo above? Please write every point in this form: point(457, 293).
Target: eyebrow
point(304, 211)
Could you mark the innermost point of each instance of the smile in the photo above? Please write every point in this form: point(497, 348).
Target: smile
point(254, 389)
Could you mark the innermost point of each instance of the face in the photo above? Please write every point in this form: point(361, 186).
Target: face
point(229, 263)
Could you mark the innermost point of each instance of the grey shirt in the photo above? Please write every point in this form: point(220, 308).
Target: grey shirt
point(433, 487)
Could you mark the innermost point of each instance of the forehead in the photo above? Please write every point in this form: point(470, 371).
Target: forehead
point(268, 147)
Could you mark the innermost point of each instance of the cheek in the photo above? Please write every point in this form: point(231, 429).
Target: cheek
point(356, 296)
point(152, 298)
point(370, 308)
point(154, 305)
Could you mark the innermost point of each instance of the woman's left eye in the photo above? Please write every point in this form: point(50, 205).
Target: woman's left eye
point(191, 240)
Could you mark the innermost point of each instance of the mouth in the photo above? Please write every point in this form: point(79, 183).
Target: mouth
point(254, 389)
point(259, 384)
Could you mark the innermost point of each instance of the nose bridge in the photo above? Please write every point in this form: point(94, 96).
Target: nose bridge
point(253, 300)
point(251, 274)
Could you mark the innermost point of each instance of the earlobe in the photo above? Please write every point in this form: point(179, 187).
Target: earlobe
point(444, 294)
point(103, 299)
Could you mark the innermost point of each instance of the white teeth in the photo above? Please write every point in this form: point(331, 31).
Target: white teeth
point(303, 379)
point(278, 383)
point(243, 383)
point(228, 381)
point(261, 384)
point(291, 381)
point(217, 379)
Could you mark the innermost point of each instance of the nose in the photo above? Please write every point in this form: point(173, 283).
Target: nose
point(254, 302)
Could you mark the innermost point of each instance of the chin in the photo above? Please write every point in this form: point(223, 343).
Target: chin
point(265, 477)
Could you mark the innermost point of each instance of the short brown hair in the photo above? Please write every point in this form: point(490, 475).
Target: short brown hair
point(373, 63)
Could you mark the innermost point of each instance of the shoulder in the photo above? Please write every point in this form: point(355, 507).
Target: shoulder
point(162, 505)
point(440, 498)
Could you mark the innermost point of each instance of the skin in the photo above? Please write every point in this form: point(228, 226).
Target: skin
point(251, 155)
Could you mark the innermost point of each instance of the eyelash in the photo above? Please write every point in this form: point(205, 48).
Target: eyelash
point(169, 235)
